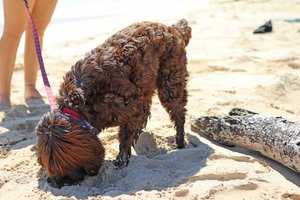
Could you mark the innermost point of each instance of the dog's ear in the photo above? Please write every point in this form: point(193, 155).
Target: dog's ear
point(72, 96)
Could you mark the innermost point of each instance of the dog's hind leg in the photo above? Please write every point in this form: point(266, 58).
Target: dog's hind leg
point(172, 93)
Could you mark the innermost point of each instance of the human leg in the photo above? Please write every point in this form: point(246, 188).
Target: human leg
point(14, 26)
point(41, 13)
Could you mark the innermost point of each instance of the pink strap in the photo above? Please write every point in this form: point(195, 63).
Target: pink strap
point(47, 86)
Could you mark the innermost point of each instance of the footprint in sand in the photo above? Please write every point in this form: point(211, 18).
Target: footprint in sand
point(216, 156)
point(217, 68)
point(2, 183)
point(182, 192)
point(38, 109)
point(228, 91)
point(24, 125)
point(218, 177)
point(294, 64)
point(291, 196)
point(18, 131)
point(228, 176)
point(16, 111)
point(247, 186)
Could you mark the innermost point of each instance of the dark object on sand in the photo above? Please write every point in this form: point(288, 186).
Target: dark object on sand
point(293, 20)
point(267, 27)
point(273, 137)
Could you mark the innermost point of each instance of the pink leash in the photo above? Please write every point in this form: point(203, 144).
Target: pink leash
point(66, 112)
point(47, 86)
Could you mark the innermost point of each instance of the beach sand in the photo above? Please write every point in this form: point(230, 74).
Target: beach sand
point(229, 67)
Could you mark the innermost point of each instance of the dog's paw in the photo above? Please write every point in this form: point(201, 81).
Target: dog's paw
point(181, 144)
point(120, 164)
point(121, 161)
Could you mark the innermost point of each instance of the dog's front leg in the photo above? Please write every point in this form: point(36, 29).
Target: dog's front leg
point(130, 131)
point(126, 134)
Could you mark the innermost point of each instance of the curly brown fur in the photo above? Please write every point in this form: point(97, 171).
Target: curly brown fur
point(113, 86)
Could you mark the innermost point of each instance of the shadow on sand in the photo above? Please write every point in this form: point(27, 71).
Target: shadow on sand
point(18, 124)
point(158, 170)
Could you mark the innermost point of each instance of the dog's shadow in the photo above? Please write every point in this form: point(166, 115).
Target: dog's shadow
point(154, 167)
point(18, 124)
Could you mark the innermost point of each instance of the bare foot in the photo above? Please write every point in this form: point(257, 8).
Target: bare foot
point(31, 92)
point(4, 102)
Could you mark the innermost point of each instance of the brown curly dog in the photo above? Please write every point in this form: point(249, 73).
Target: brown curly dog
point(113, 86)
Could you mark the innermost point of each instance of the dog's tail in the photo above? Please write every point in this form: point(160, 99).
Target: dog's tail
point(184, 29)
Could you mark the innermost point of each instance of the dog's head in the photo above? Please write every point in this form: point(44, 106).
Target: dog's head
point(68, 149)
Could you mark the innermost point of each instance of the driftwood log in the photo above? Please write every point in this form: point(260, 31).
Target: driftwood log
point(273, 137)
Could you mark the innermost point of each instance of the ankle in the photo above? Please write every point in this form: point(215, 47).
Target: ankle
point(29, 85)
point(31, 91)
point(5, 102)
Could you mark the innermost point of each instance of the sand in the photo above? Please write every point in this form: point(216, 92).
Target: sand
point(229, 67)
